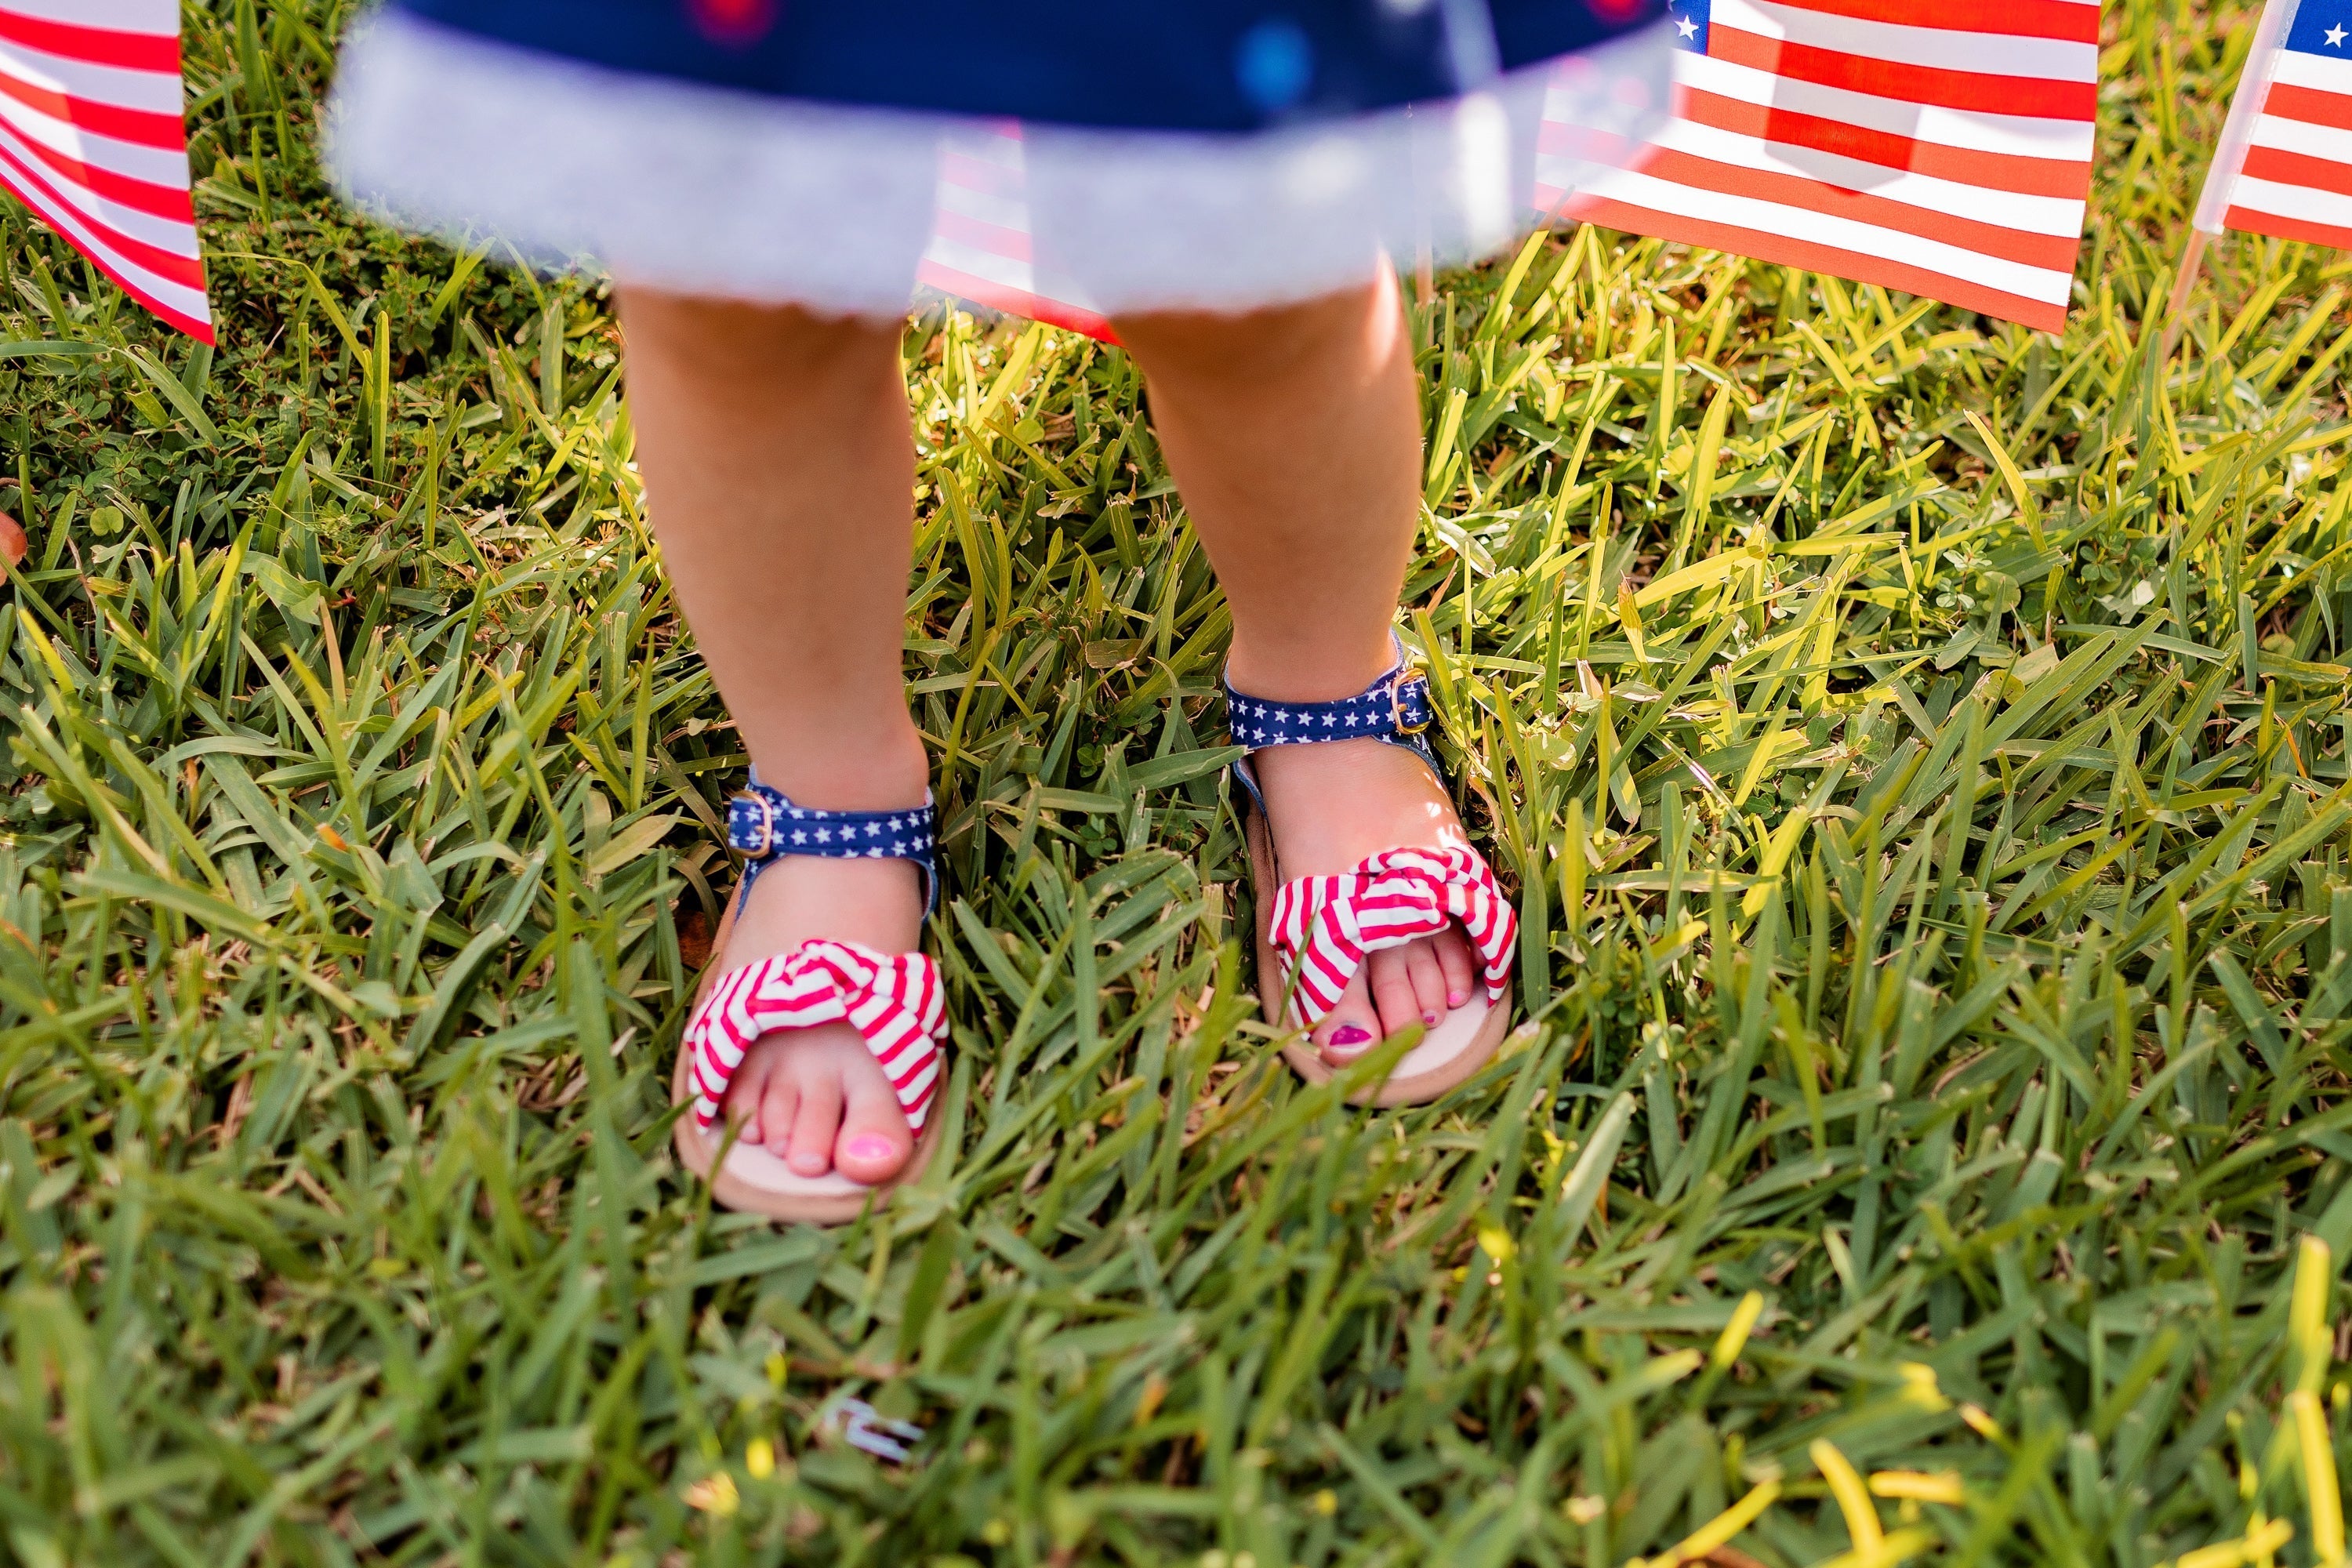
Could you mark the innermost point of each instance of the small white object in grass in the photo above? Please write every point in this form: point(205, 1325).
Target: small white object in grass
point(873, 1433)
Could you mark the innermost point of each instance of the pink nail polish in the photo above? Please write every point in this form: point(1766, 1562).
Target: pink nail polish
point(1429, 1017)
point(1350, 1035)
point(1456, 998)
point(870, 1146)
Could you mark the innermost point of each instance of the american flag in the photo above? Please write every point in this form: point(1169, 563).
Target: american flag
point(92, 141)
point(2284, 163)
point(1944, 150)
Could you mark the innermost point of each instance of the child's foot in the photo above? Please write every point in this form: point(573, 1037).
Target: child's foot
point(817, 1098)
point(1332, 804)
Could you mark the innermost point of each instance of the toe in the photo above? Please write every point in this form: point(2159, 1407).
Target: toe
point(746, 1098)
point(778, 1102)
point(1351, 1029)
point(875, 1141)
point(816, 1123)
point(1392, 991)
point(1428, 981)
point(1460, 968)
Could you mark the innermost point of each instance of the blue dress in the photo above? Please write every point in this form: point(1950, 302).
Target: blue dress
point(1173, 65)
point(1071, 159)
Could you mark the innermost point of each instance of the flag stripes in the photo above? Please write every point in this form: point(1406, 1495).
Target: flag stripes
point(2002, 173)
point(980, 248)
point(2294, 179)
point(1950, 159)
point(2064, 20)
point(102, 47)
point(2039, 231)
point(91, 139)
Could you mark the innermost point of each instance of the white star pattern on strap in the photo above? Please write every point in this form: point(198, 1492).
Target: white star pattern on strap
point(1396, 706)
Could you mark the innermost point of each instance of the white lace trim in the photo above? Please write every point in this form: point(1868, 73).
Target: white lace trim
point(712, 190)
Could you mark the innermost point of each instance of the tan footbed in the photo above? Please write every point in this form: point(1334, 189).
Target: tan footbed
point(754, 1181)
point(1464, 1041)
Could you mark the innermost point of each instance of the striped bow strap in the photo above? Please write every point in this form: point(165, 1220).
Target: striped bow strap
point(896, 1002)
point(1325, 926)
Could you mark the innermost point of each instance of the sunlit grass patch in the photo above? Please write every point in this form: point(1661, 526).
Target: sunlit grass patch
point(1918, 748)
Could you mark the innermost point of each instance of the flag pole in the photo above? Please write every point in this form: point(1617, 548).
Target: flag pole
point(2175, 310)
point(2229, 156)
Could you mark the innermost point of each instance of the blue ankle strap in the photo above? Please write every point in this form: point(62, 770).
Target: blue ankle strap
point(1395, 709)
point(765, 827)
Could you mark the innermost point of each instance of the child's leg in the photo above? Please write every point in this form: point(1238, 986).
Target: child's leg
point(779, 467)
point(1295, 434)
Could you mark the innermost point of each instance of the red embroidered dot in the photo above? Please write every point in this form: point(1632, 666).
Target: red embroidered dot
point(734, 22)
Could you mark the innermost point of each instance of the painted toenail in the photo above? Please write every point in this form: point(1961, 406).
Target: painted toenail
point(1429, 1017)
point(872, 1146)
point(1350, 1035)
point(1455, 998)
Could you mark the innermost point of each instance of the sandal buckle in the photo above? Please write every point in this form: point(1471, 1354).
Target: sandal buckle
point(1406, 674)
point(766, 843)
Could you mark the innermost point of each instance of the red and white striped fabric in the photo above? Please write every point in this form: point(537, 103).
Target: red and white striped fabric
point(897, 1002)
point(1945, 151)
point(1325, 927)
point(2283, 167)
point(91, 140)
point(980, 248)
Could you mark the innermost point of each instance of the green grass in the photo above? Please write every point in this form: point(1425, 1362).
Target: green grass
point(1918, 747)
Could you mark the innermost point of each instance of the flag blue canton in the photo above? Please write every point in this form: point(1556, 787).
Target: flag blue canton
point(2322, 28)
point(1690, 21)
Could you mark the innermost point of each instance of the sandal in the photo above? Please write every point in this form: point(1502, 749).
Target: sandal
point(897, 1001)
point(1315, 932)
